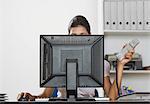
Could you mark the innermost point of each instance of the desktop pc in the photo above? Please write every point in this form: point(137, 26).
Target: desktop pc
point(72, 62)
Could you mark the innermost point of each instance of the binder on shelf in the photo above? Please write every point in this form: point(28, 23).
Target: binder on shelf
point(133, 14)
point(113, 8)
point(147, 14)
point(120, 15)
point(107, 14)
point(140, 13)
point(127, 12)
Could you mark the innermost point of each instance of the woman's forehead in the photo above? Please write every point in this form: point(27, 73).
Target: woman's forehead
point(79, 30)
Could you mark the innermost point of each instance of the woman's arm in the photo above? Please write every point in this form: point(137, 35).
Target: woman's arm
point(45, 94)
point(111, 90)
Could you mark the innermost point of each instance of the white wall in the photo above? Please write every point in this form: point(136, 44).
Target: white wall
point(22, 22)
point(0, 45)
point(100, 17)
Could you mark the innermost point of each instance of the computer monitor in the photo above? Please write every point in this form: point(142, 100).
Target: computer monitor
point(71, 61)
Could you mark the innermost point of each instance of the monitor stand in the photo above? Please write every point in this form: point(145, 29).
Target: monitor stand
point(71, 83)
point(71, 78)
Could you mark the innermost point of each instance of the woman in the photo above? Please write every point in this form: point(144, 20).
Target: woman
point(80, 26)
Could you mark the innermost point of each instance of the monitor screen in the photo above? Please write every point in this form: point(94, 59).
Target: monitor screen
point(72, 61)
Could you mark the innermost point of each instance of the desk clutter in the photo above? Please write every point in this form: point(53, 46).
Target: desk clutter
point(137, 96)
point(126, 90)
point(134, 64)
point(3, 97)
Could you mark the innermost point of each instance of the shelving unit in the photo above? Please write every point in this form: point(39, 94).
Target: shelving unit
point(133, 72)
point(115, 36)
point(145, 31)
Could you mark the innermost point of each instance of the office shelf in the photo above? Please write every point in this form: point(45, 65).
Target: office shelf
point(133, 72)
point(127, 31)
point(115, 37)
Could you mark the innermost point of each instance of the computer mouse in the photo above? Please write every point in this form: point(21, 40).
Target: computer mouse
point(23, 98)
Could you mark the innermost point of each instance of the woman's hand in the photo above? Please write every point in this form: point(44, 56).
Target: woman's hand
point(26, 96)
point(127, 58)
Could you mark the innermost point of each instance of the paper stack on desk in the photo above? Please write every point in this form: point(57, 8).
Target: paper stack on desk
point(3, 97)
point(42, 99)
point(137, 96)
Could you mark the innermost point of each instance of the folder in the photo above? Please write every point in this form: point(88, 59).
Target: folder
point(133, 18)
point(107, 14)
point(113, 8)
point(140, 13)
point(127, 12)
point(120, 15)
point(147, 14)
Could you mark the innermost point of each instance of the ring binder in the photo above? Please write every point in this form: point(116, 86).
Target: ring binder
point(140, 14)
point(146, 14)
point(107, 14)
point(120, 14)
point(113, 13)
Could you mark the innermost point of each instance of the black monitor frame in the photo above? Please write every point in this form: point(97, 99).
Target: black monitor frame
point(48, 44)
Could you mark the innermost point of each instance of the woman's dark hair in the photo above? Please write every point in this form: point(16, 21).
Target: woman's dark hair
point(79, 20)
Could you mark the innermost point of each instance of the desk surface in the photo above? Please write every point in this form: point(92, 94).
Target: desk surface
point(79, 102)
point(134, 98)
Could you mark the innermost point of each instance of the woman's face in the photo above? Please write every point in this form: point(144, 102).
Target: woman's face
point(79, 30)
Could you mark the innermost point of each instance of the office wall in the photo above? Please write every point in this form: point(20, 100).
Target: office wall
point(0, 47)
point(22, 22)
point(0, 44)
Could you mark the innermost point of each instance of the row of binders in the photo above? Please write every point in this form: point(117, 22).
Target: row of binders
point(127, 14)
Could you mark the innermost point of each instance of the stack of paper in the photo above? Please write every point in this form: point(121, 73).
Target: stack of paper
point(3, 97)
